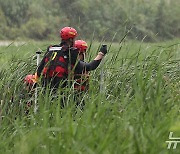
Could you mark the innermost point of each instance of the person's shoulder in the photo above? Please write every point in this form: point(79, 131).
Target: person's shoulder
point(51, 46)
point(55, 47)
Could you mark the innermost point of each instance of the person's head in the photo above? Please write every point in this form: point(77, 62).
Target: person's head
point(82, 46)
point(28, 81)
point(68, 35)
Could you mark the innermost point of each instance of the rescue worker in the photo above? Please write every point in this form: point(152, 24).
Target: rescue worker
point(29, 91)
point(81, 81)
point(29, 82)
point(56, 62)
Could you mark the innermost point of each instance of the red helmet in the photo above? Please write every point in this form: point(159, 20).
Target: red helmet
point(29, 79)
point(81, 45)
point(67, 33)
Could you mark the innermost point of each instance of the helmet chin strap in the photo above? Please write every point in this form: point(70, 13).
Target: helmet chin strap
point(84, 56)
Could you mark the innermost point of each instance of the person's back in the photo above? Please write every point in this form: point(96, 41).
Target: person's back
point(55, 64)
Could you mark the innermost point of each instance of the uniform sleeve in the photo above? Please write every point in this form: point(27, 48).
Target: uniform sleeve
point(81, 66)
point(42, 64)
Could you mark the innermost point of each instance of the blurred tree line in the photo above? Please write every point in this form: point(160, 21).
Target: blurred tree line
point(101, 19)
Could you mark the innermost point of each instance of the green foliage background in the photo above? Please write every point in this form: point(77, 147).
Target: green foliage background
point(140, 102)
point(135, 113)
point(41, 19)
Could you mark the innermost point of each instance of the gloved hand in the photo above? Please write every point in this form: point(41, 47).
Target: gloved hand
point(103, 49)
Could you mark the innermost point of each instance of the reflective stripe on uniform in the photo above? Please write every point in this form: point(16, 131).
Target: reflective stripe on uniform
point(55, 48)
point(55, 53)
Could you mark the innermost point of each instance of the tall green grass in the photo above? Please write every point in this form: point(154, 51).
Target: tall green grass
point(135, 113)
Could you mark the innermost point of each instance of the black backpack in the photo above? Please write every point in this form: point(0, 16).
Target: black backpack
point(57, 61)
